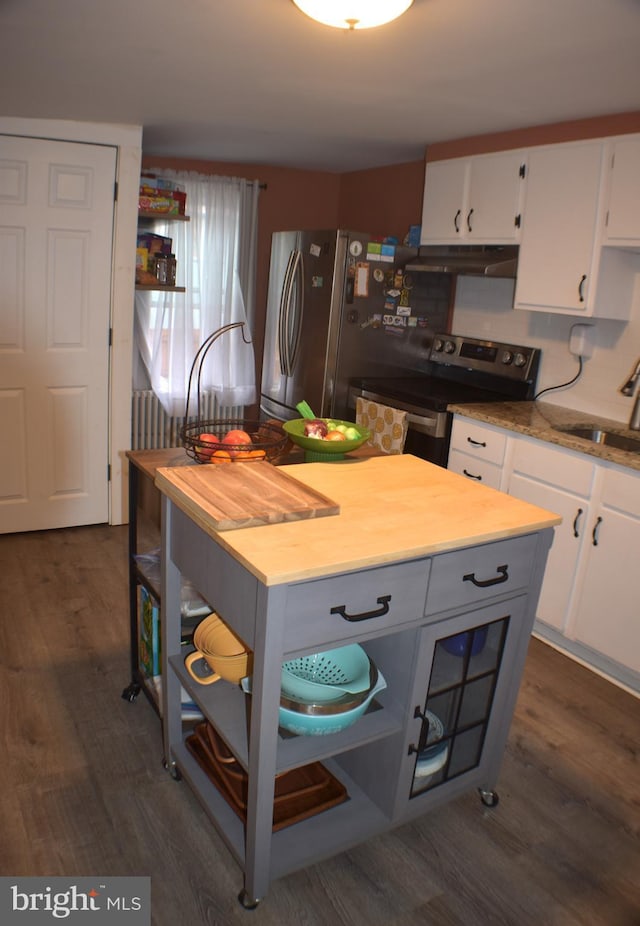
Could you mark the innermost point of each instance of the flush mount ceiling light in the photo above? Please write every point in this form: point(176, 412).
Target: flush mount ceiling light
point(353, 14)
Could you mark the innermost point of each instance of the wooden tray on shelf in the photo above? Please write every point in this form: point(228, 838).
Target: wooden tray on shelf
point(299, 793)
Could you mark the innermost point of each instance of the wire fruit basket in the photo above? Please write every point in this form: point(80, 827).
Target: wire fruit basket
point(235, 440)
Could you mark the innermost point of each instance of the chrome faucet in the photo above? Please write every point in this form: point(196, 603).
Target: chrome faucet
point(627, 389)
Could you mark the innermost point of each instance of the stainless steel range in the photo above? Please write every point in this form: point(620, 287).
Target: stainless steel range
point(461, 369)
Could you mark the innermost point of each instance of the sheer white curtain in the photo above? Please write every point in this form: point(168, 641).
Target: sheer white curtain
point(216, 254)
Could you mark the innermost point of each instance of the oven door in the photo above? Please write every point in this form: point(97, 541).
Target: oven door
point(428, 431)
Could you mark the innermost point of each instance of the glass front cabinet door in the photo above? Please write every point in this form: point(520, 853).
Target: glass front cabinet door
point(466, 683)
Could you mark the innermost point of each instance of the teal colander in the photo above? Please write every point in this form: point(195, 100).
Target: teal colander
point(327, 675)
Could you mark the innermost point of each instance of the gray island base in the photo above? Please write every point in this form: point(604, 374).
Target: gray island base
point(435, 577)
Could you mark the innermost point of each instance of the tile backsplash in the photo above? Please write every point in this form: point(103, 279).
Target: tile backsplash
point(484, 309)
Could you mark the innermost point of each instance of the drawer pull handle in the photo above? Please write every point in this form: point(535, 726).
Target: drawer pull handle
point(384, 600)
point(471, 475)
point(477, 443)
point(486, 583)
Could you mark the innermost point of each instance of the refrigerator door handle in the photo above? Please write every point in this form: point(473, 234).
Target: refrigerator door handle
point(283, 315)
point(297, 312)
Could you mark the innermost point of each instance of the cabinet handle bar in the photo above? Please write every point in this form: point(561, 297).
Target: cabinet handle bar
point(575, 522)
point(486, 583)
point(384, 600)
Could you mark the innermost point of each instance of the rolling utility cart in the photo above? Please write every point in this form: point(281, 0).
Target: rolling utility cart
point(435, 577)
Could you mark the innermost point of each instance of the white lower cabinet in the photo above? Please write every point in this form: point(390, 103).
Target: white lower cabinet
point(607, 613)
point(560, 481)
point(588, 601)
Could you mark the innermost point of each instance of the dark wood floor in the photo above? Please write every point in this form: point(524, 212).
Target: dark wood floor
point(84, 791)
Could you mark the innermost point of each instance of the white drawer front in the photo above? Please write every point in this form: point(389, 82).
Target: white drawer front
point(474, 575)
point(372, 600)
point(481, 471)
point(561, 468)
point(480, 440)
point(622, 491)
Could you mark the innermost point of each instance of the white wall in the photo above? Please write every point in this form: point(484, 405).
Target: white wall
point(483, 309)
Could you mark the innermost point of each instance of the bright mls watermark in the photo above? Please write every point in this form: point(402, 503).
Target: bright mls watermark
point(94, 901)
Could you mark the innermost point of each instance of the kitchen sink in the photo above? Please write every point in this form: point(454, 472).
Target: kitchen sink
point(608, 438)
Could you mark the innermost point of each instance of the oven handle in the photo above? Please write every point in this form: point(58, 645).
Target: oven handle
point(424, 423)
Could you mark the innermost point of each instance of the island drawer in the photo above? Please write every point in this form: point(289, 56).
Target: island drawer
point(478, 573)
point(355, 605)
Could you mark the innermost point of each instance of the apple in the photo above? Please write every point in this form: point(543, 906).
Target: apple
point(334, 435)
point(235, 438)
point(207, 443)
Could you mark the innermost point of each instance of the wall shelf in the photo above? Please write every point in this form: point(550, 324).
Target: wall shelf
point(157, 287)
point(163, 217)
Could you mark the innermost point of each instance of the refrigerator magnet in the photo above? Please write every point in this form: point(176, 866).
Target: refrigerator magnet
point(317, 282)
point(403, 310)
point(378, 275)
point(362, 279)
point(315, 250)
point(355, 248)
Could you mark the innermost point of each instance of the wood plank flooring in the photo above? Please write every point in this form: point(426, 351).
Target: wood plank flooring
point(84, 791)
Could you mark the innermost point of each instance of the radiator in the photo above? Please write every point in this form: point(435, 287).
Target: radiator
point(153, 429)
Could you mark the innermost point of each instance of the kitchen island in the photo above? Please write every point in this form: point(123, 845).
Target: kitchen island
point(435, 577)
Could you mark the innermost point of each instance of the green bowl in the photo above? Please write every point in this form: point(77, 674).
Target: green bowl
point(295, 430)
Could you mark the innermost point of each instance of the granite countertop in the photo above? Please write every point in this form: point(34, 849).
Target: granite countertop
point(541, 420)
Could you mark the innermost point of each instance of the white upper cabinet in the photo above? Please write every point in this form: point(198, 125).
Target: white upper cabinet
point(622, 225)
point(475, 200)
point(557, 260)
point(563, 267)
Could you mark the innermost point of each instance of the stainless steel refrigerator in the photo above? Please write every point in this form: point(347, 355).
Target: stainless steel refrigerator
point(334, 314)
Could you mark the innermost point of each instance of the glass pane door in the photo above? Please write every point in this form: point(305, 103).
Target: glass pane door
point(455, 717)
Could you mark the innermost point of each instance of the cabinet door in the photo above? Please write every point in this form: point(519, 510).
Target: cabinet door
point(444, 201)
point(623, 216)
point(493, 213)
point(555, 267)
point(606, 618)
point(568, 541)
point(468, 672)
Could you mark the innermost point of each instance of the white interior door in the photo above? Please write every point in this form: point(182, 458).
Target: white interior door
point(56, 230)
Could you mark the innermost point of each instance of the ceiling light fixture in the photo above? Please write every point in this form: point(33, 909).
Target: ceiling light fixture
point(353, 14)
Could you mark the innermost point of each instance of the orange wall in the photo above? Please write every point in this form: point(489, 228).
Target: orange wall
point(600, 126)
point(382, 201)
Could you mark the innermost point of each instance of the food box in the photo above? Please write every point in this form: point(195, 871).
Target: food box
point(149, 623)
point(162, 205)
point(155, 243)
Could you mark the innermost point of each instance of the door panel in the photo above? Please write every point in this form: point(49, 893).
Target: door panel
point(56, 226)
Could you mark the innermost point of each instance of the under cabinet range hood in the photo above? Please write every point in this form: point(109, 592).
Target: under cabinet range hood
point(467, 260)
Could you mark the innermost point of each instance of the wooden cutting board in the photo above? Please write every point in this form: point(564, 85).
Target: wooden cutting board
point(235, 495)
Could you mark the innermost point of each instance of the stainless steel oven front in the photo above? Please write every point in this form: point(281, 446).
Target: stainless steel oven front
point(428, 431)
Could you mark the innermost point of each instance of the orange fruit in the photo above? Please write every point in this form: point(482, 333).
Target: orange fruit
point(334, 435)
point(220, 456)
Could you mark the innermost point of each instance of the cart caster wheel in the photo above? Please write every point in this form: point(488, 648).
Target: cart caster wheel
point(173, 770)
point(489, 798)
point(247, 901)
point(131, 692)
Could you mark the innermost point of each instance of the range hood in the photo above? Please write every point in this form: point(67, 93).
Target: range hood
point(467, 260)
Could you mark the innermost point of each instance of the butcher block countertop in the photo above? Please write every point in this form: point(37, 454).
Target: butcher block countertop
point(391, 508)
